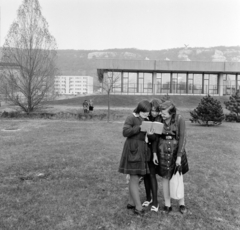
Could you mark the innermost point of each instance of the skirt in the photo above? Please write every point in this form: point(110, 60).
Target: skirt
point(135, 157)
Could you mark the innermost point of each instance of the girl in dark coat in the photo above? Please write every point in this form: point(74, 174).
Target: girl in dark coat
point(150, 180)
point(169, 150)
point(136, 153)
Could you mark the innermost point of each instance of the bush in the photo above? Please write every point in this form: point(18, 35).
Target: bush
point(12, 114)
point(233, 105)
point(208, 112)
point(62, 115)
point(232, 117)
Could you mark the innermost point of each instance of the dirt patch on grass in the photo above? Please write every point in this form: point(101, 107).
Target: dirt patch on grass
point(24, 125)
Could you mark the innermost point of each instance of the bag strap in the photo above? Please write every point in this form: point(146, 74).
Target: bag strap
point(177, 169)
point(177, 123)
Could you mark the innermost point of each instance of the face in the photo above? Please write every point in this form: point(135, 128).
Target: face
point(165, 114)
point(154, 113)
point(144, 114)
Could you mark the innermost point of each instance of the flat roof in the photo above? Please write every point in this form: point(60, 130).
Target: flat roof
point(168, 66)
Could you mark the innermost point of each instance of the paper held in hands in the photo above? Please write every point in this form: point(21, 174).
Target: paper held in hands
point(155, 127)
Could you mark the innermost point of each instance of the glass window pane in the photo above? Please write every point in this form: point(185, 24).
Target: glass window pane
point(197, 81)
point(116, 90)
point(190, 86)
point(238, 82)
point(174, 82)
point(132, 85)
point(165, 83)
point(213, 84)
point(206, 76)
point(206, 86)
point(148, 83)
point(229, 82)
point(190, 76)
point(117, 80)
point(158, 83)
point(140, 87)
point(125, 82)
point(182, 78)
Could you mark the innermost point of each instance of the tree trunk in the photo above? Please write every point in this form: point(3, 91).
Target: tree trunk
point(29, 104)
point(108, 106)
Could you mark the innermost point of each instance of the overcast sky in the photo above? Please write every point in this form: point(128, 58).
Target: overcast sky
point(141, 24)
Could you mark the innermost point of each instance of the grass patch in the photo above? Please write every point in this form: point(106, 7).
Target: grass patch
point(63, 175)
point(130, 101)
point(120, 106)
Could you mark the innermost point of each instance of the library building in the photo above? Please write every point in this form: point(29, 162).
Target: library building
point(153, 77)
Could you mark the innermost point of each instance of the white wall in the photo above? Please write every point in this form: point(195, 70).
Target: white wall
point(74, 85)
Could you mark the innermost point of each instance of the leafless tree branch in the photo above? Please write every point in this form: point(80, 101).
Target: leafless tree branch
point(31, 47)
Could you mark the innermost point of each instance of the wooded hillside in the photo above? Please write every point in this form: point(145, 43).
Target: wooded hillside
point(83, 62)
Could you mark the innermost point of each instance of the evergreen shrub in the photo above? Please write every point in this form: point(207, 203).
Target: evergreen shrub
point(208, 112)
point(233, 105)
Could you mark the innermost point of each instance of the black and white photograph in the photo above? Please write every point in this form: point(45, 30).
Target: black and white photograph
point(119, 114)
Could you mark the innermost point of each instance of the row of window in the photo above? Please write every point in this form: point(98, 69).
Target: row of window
point(76, 77)
point(129, 82)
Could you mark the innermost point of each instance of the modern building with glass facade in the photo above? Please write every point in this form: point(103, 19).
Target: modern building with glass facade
point(171, 77)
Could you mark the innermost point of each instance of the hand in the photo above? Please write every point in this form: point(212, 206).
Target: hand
point(150, 132)
point(178, 161)
point(155, 159)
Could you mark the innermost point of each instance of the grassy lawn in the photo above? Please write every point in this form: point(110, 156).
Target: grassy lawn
point(132, 100)
point(63, 175)
point(120, 105)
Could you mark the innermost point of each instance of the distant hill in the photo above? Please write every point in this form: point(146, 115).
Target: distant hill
point(83, 62)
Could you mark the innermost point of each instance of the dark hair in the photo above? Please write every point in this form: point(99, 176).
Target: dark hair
point(143, 106)
point(172, 110)
point(156, 103)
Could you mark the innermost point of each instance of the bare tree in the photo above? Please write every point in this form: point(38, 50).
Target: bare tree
point(32, 49)
point(109, 81)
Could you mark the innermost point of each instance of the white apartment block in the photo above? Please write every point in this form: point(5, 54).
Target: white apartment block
point(73, 85)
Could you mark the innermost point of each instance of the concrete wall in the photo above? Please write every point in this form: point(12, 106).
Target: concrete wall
point(169, 66)
point(122, 64)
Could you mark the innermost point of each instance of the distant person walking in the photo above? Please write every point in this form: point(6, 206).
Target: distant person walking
point(135, 154)
point(85, 106)
point(91, 106)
